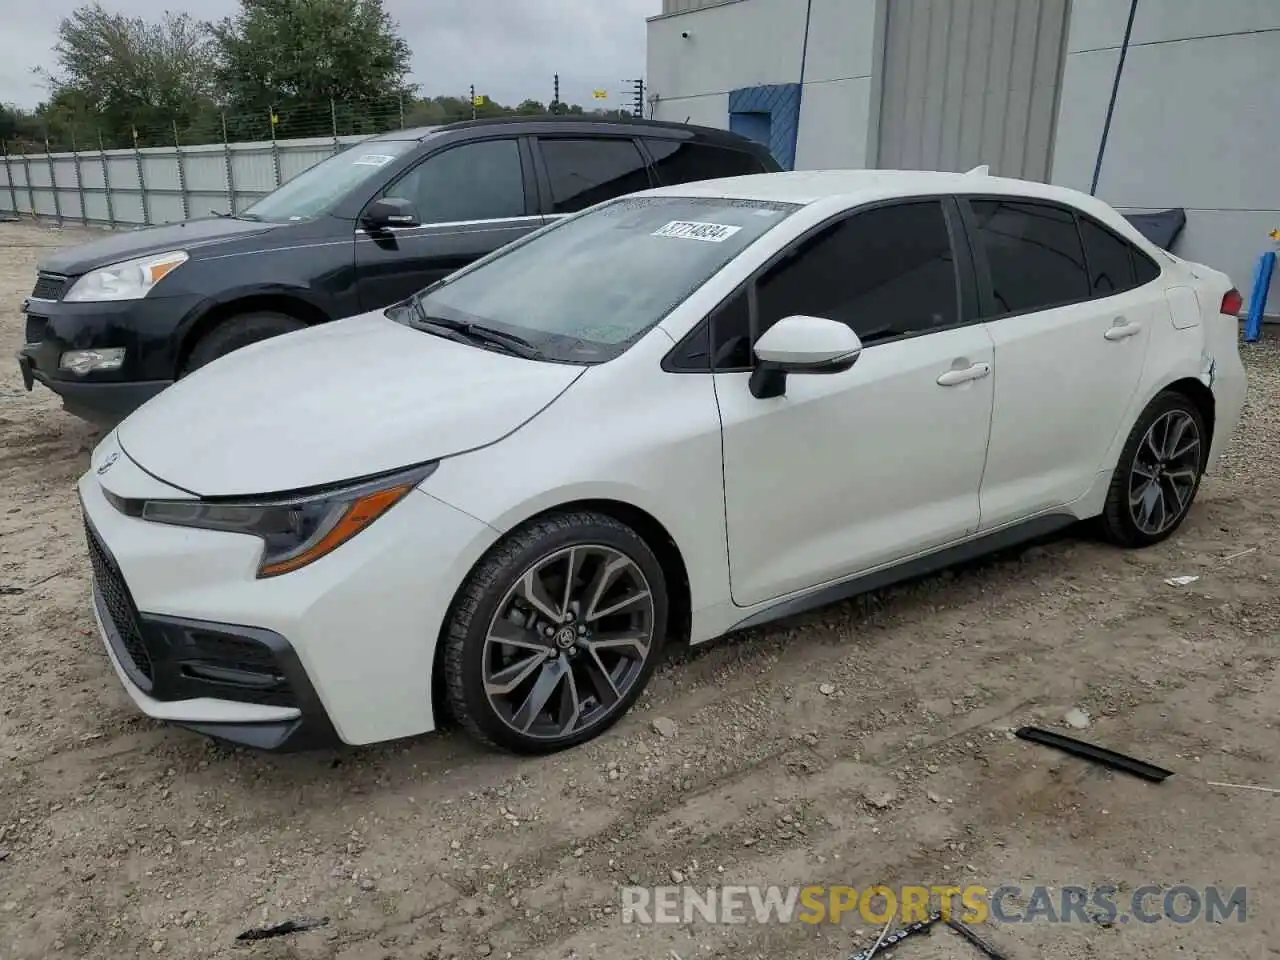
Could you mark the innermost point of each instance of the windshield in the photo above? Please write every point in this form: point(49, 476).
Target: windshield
point(319, 188)
point(586, 289)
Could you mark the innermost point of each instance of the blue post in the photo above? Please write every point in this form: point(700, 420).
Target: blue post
point(1258, 301)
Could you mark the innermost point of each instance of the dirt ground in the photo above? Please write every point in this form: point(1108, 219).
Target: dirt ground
point(867, 743)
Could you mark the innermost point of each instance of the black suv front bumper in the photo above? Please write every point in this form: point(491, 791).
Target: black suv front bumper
point(147, 329)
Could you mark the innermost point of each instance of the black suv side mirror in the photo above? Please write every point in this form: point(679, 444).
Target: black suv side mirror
point(390, 212)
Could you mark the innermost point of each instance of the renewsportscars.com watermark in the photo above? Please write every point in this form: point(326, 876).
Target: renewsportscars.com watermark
point(1100, 904)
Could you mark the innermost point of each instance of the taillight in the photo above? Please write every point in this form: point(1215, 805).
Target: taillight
point(1232, 303)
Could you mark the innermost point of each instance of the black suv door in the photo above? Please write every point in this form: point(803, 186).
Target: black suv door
point(472, 197)
point(579, 170)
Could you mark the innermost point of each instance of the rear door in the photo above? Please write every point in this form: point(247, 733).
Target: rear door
point(578, 171)
point(1071, 325)
point(684, 161)
point(471, 197)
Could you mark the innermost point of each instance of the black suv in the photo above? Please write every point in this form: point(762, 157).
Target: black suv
point(113, 322)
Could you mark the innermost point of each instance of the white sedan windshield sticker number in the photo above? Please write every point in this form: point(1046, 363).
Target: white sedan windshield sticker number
point(694, 230)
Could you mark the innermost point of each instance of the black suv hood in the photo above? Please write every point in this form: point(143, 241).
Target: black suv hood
point(127, 244)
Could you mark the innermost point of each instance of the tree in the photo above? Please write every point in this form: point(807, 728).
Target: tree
point(126, 74)
point(297, 56)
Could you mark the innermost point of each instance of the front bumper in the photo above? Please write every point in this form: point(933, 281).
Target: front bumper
point(103, 403)
point(148, 329)
point(342, 650)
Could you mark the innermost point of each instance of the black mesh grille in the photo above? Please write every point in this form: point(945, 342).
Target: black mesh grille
point(237, 668)
point(49, 286)
point(118, 603)
point(35, 329)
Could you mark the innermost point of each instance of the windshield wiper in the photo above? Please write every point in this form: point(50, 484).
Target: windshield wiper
point(477, 333)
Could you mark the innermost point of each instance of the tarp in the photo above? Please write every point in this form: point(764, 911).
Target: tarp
point(1161, 228)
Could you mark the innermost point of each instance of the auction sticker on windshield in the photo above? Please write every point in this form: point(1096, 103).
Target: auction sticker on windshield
point(372, 160)
point(696, 230)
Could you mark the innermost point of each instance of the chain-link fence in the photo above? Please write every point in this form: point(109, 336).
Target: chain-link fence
point(101, 173)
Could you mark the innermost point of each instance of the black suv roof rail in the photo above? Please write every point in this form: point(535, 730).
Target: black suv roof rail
point(710, 133)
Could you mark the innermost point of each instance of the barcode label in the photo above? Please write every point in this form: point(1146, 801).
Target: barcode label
point(695, 230)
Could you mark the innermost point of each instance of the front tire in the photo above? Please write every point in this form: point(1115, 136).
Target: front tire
point(1158, 474)
point(555, 634)
point(237, 332)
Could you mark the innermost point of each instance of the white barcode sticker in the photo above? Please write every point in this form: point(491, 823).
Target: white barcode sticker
point(372, 160)
point(696, 230)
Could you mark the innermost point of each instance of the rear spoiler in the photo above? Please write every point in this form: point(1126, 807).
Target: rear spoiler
point(1163, 228)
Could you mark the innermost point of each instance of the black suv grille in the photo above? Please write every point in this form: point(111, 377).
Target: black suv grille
point(118, 603)
point(49, 286)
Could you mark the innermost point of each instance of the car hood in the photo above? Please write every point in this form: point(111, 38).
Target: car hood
point(127, 244)
point(341, 400)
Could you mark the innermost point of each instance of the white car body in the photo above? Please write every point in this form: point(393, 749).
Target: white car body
point(771, 506)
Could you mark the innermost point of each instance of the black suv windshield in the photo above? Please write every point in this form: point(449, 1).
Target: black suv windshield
point(587, 288)
point(318, 189)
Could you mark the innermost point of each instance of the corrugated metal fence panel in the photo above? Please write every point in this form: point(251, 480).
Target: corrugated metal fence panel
point(106, 188)
point(968, 82)
point(205, 169)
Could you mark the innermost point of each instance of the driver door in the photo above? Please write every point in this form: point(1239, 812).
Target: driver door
point(849, 471)
point(471, 199)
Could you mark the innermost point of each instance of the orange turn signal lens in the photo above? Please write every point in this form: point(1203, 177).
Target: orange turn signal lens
point(356, 515)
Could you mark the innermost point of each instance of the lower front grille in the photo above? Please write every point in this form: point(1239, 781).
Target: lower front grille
point(35, 329)
point(234, 667)
point(118, 603)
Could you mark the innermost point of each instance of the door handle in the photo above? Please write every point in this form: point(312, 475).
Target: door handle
point(953, 378)
point(1122, 329)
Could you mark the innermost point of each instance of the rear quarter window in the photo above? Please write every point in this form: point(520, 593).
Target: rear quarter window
point(676, 162)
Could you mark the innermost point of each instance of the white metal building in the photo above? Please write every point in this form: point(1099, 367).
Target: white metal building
point(1021, 85)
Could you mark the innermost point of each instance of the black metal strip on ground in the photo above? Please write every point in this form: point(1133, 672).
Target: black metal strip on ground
point(1088, 751)
point(976, 940)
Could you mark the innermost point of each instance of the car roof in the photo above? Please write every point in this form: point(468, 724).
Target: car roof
point(578, 123)
point(805, 187)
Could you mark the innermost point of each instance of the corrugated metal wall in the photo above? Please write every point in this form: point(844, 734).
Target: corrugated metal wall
point(968, 82)
point(155, 184)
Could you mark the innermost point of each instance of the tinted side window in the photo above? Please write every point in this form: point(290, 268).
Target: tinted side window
point(1110, 266)
point(473, 181)
point(585, 172)
point(1144, 268)
point(1034, 253)
point(676, 162)
point(884, 272)
point(731, 334)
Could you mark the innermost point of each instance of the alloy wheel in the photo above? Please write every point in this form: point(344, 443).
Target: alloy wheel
point(568, 642)
point(1165, 471)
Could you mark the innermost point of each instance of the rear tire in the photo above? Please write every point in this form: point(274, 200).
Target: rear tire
point(540, 675)
point(237, 332)
point(1158, 475)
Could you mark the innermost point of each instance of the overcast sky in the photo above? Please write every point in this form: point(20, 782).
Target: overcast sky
point(510, 49)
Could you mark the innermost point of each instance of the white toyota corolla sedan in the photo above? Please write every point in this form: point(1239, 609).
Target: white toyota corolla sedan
point(673, 415)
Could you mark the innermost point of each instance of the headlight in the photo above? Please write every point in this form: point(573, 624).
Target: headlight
point(86, 361)
point(295, 531)
point(130, 280)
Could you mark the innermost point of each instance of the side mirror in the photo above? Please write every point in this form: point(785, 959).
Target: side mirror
point(800, 344)
point(390, 212)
